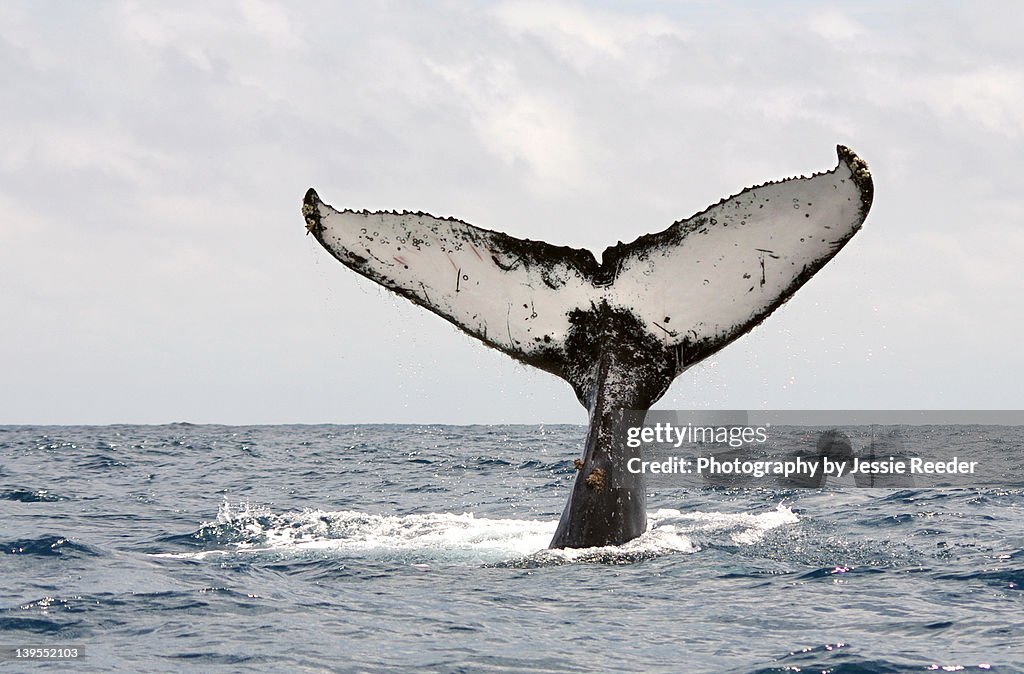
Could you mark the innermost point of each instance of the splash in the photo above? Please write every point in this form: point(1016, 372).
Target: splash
point(740, 528)
point(248, 529)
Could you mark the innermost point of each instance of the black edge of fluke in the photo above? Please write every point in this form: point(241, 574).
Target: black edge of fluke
point(311, 212)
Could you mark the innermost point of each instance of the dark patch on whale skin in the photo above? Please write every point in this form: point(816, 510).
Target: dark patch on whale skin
point(603, 328)
point(613, 364)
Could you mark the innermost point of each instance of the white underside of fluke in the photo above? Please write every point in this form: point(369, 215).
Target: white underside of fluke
point(744, 257)
point(463, 273)
point(701, 279)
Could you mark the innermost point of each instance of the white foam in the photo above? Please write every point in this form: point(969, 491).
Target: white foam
point(445, 537)
point(741, 528)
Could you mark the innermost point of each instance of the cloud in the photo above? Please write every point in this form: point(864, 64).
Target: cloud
point(990, 97)
point(582, 35)
point(835, 25)
point(154, 158)
point(522, 128)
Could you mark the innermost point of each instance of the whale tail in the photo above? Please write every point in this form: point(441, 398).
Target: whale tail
point(683, 293)
point(619, 330)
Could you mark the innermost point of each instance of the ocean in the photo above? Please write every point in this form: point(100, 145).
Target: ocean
point(183, 548)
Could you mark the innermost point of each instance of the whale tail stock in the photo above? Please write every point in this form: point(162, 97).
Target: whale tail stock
point(619, 330)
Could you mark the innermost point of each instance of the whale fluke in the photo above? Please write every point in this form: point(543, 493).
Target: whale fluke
point(619, 330)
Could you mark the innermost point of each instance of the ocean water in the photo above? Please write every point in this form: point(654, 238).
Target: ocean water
point(384, 548)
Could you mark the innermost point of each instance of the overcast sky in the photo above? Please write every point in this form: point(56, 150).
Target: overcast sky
point(153, 157)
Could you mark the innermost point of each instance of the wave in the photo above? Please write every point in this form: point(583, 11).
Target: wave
point(30, 496)
point(45, 546)
point(33, 625)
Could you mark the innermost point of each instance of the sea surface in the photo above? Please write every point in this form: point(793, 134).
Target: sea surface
point(422, 548)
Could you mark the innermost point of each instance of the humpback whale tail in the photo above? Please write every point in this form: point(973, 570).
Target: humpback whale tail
point(619, 330)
